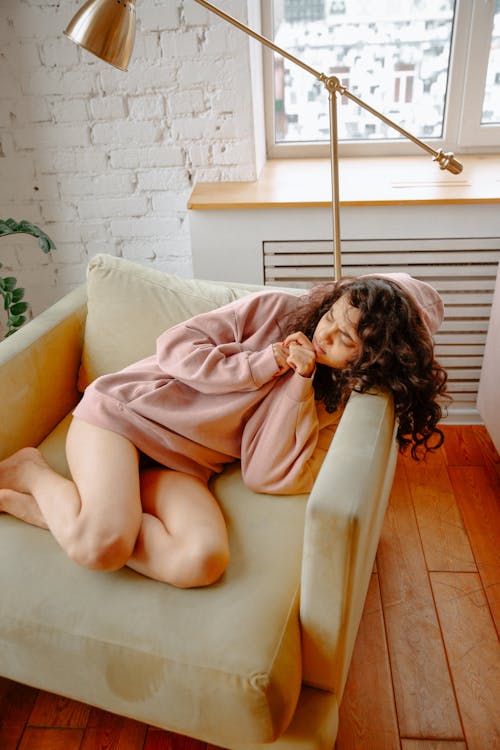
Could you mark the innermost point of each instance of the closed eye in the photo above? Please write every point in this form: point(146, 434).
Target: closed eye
point(348, 340)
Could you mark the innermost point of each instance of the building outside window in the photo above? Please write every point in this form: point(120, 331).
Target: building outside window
point(432, 66)
point(302, 10)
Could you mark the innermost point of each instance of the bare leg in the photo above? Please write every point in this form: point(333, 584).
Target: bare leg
point(183, 536)
point(96, 517)
point(22, 506)
point(15, 499)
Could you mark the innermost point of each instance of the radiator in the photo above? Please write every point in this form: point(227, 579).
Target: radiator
point(462, 270)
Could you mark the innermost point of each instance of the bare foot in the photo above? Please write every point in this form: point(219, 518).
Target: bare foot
point(16, 471)
point(22, 506)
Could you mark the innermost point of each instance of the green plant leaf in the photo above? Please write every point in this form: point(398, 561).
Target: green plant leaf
point(9, 283)
point(14, 321)
point(7, 227)
point(45, 244)
point(17, 294)
point(10, 226)
point(18, 308)
point(12, 295)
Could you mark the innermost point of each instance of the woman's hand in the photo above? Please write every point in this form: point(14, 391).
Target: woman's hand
point(280, 352)
point(301, 354)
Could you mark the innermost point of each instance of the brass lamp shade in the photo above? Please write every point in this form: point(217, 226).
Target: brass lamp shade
point(106, 28)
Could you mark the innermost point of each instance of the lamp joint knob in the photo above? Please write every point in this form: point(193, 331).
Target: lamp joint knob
point(446, 160)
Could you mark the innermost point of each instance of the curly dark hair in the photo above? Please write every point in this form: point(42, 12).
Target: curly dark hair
point(397, 355)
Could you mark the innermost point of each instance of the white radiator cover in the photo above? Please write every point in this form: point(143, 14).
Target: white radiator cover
point(462, 270)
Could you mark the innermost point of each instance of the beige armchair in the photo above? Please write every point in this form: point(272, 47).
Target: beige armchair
point(260, 657)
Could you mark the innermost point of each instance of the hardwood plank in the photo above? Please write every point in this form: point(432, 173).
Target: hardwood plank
point(424, 695)
point(473, 653)
point(16, 703)
point(490, 454)
point(461, 447)
point(52, 710)
point(51, 739)
point(444, 539)
point(436, 458)
point(107, 730)
point(100, 719)
point(479, 504)
point(127, 737)
point(158, 739)
point(368, 699)
point(432, 745)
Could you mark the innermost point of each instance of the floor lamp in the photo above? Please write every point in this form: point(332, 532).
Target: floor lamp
point(107, 29)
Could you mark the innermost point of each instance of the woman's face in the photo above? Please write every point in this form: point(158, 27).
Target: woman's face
point(335, 339)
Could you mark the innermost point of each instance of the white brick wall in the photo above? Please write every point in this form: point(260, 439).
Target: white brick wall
point(104, 161)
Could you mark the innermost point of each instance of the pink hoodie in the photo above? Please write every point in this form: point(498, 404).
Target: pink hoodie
point(210, 395)
point(425, 297)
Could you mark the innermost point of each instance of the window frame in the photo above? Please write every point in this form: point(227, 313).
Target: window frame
point(462, 130)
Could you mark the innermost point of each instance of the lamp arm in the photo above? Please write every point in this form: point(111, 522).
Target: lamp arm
point(445, 160)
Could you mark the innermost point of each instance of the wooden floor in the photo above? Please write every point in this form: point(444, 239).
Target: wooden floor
point(425, 673)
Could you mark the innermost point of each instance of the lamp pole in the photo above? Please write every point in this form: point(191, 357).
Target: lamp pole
point(332, 84)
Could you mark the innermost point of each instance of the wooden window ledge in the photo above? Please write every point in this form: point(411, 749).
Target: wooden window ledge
point(369, 181)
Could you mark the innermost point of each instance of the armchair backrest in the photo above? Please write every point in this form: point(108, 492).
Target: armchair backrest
point(130, 305)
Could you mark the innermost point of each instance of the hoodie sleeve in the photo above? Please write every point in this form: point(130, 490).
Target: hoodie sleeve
point(225, 350)
point(279, 440)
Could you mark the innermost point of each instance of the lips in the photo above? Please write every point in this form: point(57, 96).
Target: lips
point(319, 349)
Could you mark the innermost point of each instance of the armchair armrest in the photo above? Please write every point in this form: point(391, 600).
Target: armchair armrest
point(38, 373)
point(343, 522)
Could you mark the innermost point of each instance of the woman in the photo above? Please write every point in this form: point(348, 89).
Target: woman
point(255, 380)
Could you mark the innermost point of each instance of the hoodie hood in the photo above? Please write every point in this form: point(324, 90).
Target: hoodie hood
point(427, 300)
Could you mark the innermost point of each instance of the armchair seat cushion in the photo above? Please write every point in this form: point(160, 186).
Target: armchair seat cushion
point(221, 663)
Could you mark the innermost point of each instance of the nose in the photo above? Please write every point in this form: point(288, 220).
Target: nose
point(330, 333)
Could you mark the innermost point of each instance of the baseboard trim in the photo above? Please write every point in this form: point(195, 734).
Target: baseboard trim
point(462, 415)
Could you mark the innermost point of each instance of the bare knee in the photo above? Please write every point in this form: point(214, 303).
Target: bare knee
point(202, 564)
point(101, 551)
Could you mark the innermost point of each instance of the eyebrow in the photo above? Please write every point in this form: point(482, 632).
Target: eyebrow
point(343, 331)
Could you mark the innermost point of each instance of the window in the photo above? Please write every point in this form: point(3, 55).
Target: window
point(431, 66)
